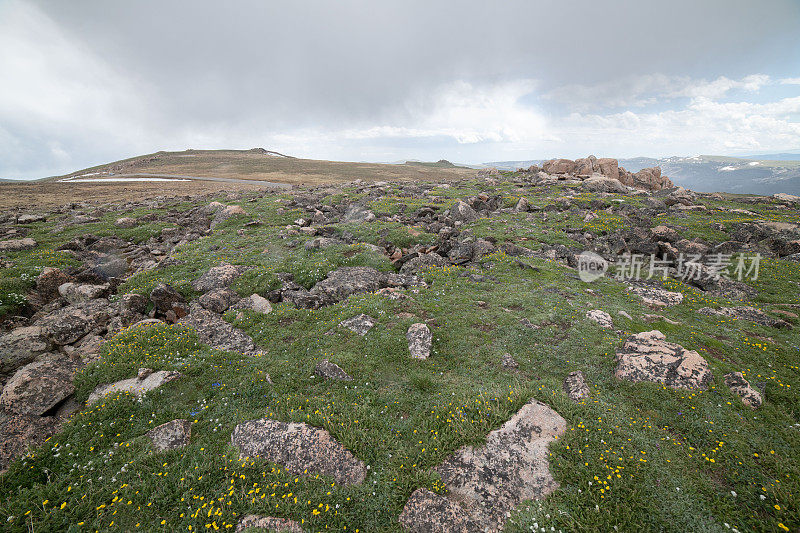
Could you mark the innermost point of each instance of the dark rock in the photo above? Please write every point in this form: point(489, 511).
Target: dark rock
point(39, 386)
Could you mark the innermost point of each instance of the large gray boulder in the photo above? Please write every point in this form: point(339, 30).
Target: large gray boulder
point(462, 212)
point(39, 386)
point(346, 281)
point(420, 340)
point(299, 448)
point(214, 331)
point(218, 277)
point(20, 347)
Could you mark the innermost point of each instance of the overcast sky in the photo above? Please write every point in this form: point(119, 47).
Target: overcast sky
point(87, 82)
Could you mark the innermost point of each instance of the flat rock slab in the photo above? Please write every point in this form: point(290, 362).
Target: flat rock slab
point(19, 432)
point(269, 524)
point(138, 386)
point(299, 448)
point(360, 324)
point(744, 312)
point(486, 482)
point(657, 297)
point(39, 386)
point(16, 245)
point(171, 435)
point(648, 356)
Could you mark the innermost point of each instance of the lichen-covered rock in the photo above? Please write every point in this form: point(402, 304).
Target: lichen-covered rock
point(48, 282)
point(39, 386)
point(255, 303)
point(20, 432)
point(738, 385)
point(423, 262)
point(428, 512)
point(420, 340)
point(138, 386)
point(171, 435)
point(214, 331)
point(268, 524)
point(359, 324)
point(218, 300)
point(601, 317)
point(657, 297)
point(16, 245)
point(69, 324)
point(648, 357)
point(509, 362)
point(329, 370)
point(225, 213)
point(218, 277)
point(462, 212)
point(20, 347)
point(746, 313)
point(346, 281)
point(559, 166)
point(125, 222)
point(76, 293)
point(299, 448)
point(485, 483)
point(603, 184)
point(575, 386)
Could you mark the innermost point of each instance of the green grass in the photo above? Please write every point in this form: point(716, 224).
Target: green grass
point(636, 456)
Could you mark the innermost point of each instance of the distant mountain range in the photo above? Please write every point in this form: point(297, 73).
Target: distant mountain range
point(763, 174)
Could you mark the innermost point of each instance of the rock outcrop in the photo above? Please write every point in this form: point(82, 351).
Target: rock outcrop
point(649, 357)
point(300, 448)
point(485, 483)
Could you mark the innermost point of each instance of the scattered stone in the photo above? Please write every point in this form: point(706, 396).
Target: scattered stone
point(346, 281)
point(509, 362)
point(329, 370)
point(359, 324)
point(485, 483)
point(601, 317)
point(602, 184)
point(624, 314)
point(575, 386)
point(269, 524)
point(218, 277)
point(137, 386)
point(648, 357)
point(226, 213)
point(657, 297)
point(299, 448)
point(30, 218)
point(420, 340)
point(738, 385)
point(171, 435)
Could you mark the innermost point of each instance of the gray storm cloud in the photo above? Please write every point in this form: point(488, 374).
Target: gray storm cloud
point(93, 80)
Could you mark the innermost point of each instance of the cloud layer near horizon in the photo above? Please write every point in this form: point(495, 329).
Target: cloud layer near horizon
point(88, 82)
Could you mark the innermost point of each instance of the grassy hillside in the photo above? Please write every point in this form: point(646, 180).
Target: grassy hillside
point(635, 456)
